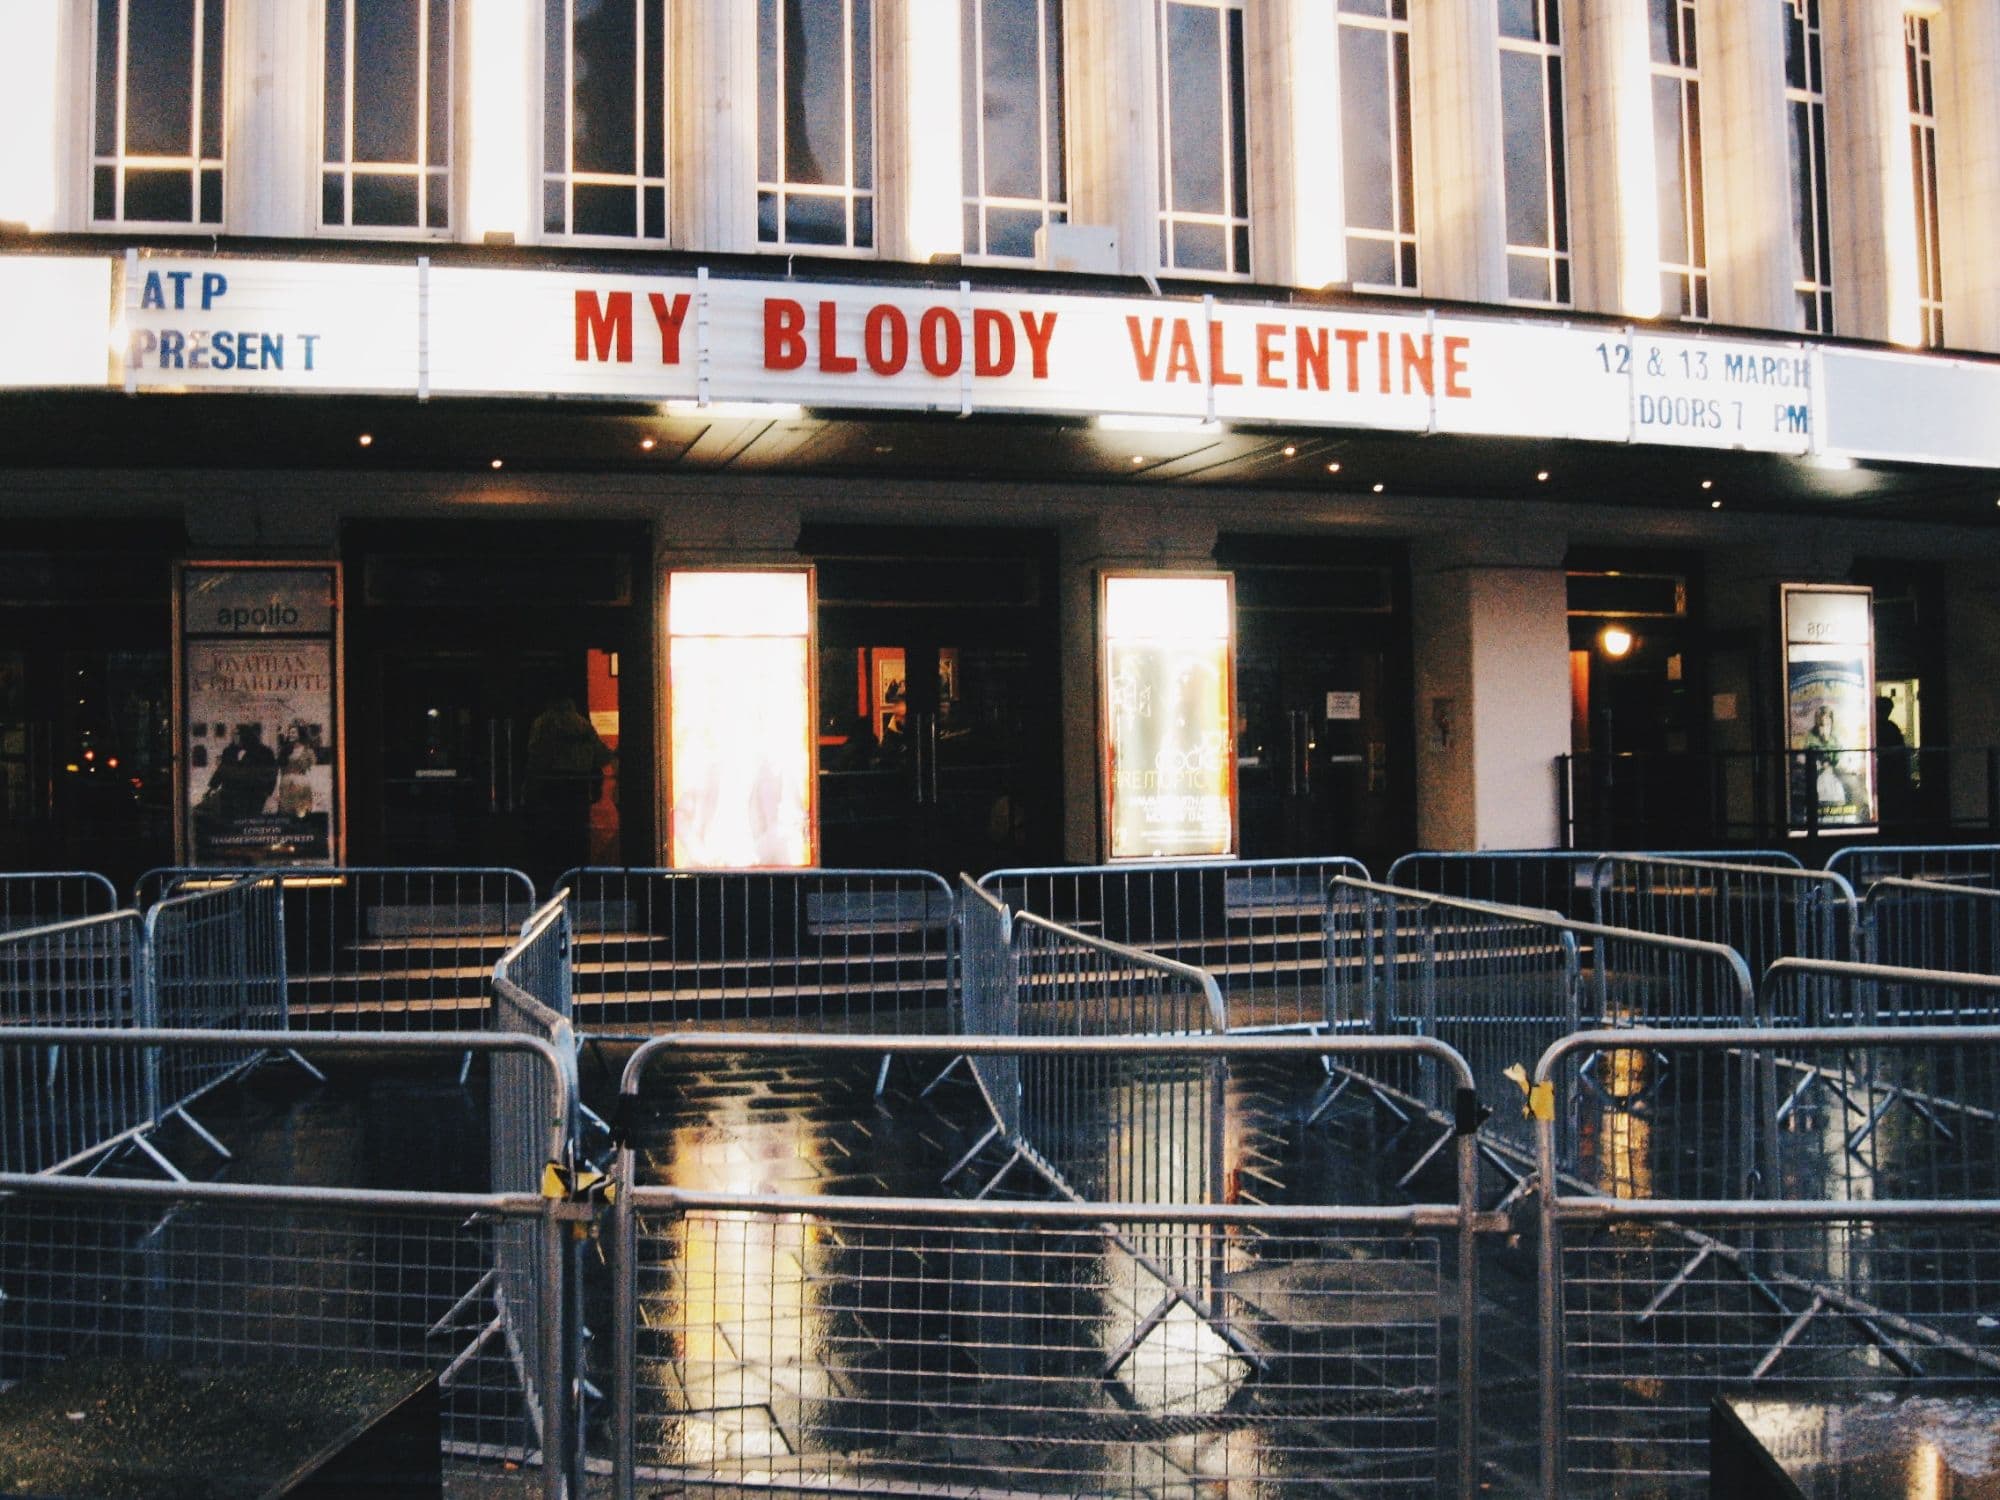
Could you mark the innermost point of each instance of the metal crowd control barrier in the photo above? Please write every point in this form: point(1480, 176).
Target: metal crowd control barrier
point(1922, 924)
point(215, 962)
point(854, 1344)
point(336, 1279)
point(43, 898)
point(1953, 864)
point(370, 948)
point(1253, 924)
point(989, 1005)
point(1501, 984)
point(531, 983)
point(60, 1109)
point(1871, 1257)
point(1557, 880)
point(1764, 912)
point(843, 950)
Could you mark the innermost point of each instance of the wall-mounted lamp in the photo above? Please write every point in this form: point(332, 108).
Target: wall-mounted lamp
point(1616, 641)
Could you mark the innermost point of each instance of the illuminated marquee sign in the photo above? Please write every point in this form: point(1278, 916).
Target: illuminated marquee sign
point(1169, 701)
point(739, 694)
point(181, 321)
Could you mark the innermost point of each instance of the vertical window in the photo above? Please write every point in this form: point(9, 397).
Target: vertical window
point(1014, 177)
point(604, 146)
point(1924, 176)
point(1381, 185)
point(1531, 122)
point(1204, 165)
point(816, 123)
point(156, 153)
point(1805, 102)
point(1677, 158)
point(387, 153)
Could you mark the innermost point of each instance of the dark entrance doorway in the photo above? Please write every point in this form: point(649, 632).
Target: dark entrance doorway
point(86, 744)
point(1322, 699)
point(501, 714)
point(938, 700)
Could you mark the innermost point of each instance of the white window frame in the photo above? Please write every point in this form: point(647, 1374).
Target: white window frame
point(119, 162)
point(1693, 272)
point(1921, 60)
point(422, 170)
point(649, 126)
point(1052, 206)
point(1815, 292)
point(1406, 251)
point(1553, 65)
point(849, 192)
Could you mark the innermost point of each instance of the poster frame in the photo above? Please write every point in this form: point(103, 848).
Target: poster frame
point(664, 728)
point(1801, 816)
point(185, 850)
point(1107, 794)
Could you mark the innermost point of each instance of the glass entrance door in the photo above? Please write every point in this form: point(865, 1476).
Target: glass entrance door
point(928, 755)
point(504, 756)
point(1312, 752)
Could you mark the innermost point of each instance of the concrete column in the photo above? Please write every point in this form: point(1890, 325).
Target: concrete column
point(1461, 179)
point(920, 124)
point(1614, 208)
point(1113, 539)
point(1114, 122)
point(1873, 207)
point(497, 148)
point(45, 111)
point(1293, 77)
point(270, 181)
point(1967, 37)
point(1747, 152)
point(712, 134)
point(1492, 675)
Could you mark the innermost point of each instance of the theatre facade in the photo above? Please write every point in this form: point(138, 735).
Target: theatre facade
point(392, 474)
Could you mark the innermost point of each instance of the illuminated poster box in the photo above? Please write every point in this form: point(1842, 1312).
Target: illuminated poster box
point(739, 692)
point(1829, 701)
point(1169, 701)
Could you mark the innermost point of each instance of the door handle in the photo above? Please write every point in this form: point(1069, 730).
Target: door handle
point(931, 734)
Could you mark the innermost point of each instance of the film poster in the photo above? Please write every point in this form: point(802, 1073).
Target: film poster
point(1830, 706)
point(260, 747)
point(1170, 748)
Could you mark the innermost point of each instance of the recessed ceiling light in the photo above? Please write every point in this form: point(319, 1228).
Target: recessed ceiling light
point(1541, 476)
point(647, 444)
point(1291, 450)
point(1708, 484)
point(366, 439)
point(1138, 458)
point(1715, 505)
point(496, 463)
point(1333, 468)
point(1379, 488)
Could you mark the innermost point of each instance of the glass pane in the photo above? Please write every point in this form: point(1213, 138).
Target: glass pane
point(1802, 193)
point(1011, 84)
point(211, 78)
point(438, 90)
point(1011, 231)
point(1200, 247)
point(1364, 128)
point(1527, 278)
point(813, 220)
point(160, 197)
point(555, 85)
point(104, 193)
point(1558, 144)
point(815, 92)
point(333, 199)
point(601, 209)
point(1365, 7)
point(211, 196)
point(1195, 109)
point(656, 213)
point(1239, 133)
point(652, 106)
point(864, 223)
point(974, 245)
point(605, 124)
point(864, 94)
point(553, 202)
point(385, 83)
point(437, 200)
point(159, 78)
point(385, 201)
point(106, 139)
point(767, 218)
point(1667, 169)
point(1517, 19)
point(1795, 45)
point(1524, 140)
point(335, 84)
point(1370, 262)
point(1052, 83)
point(768, 113)
point(1662, 15)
